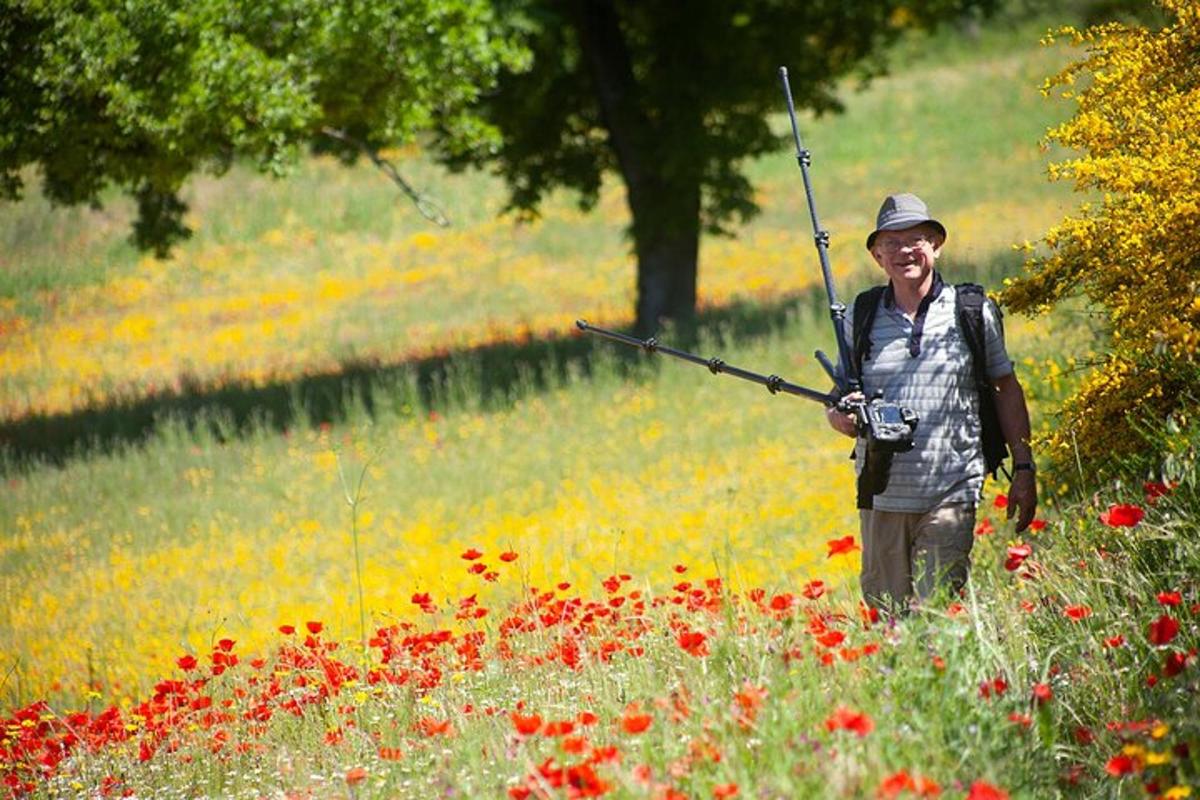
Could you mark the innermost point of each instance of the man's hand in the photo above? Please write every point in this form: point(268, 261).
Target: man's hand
point(841, 422)
point(1022, 495)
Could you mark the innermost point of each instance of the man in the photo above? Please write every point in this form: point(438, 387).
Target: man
point(917, 534)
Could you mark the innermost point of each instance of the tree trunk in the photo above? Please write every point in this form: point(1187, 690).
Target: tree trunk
point(667, 252)
point(664, 204)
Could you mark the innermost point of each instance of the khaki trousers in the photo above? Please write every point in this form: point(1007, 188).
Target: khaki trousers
point(915, 554)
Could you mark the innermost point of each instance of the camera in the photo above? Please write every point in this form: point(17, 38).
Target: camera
point(888, 427)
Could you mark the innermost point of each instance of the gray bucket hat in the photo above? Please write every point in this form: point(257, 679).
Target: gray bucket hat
point(900, 212)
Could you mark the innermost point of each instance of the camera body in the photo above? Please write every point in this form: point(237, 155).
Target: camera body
point(888, 425)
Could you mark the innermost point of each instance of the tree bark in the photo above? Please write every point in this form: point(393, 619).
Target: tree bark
point(667, 255)
point(664, 205)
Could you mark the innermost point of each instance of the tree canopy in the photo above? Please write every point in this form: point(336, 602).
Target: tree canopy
point(140, 94)
point(1133, 251)
point(675, 98)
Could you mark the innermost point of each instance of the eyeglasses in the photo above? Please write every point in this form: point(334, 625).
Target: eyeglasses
point(895, 245)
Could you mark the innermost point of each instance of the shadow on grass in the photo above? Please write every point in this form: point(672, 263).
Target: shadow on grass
point(485, 377)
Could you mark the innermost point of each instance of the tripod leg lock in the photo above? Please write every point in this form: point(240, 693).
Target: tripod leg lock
point(716, 366)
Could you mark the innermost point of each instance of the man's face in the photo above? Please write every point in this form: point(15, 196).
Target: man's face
point(908, 255)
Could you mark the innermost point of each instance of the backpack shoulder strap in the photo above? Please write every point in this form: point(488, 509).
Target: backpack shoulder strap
point(968, 310)
point(969, 300)
point(865, 306)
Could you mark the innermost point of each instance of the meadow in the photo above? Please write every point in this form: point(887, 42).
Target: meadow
point(612, 575)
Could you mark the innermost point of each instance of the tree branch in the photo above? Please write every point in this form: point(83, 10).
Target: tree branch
point(429, 209)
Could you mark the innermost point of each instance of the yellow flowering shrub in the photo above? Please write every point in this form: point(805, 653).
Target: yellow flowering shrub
point(1133, 250)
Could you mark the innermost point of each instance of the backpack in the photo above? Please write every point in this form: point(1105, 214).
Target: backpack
point(968, 311)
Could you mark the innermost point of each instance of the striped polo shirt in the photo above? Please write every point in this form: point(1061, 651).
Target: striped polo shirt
point(924, 363)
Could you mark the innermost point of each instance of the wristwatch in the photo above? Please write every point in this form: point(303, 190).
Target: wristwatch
point(1020, 465)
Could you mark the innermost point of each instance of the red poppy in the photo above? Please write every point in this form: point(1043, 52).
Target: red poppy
point(584, 782)
point(558, 728)
point(1170, 598)
point(434, 727)
point(845, 544)
point(633, 721)
point(1121, 765)
point(997, 686)
point(1037, 525)
point(1023, 720)
point(1042, 693)
point(749, 699)
point(900, 782)
point(848, 719)
point(982, 790)
point(1162, 630)
point(680, 568)
point(1174, 664)
point(186, 663)
point(1122, 516)
point(226, 645)
point(1156, 489)
point(926, 787)
point(588, 718)
point(421, 598)
point(725, 790)
point(1001, 501)
point(813, 589)
point(508, 555)
point(603, 754)
point(693, 642)
point(314, 627)
point(575, 745)
point(477, 568)
point(1077, 612)
point(782, 602)
point(1016, 556)
point(985, 527)
point(893, 785)
point(526, 726)
point(831, 638)
point(287, 630)
point(1114, 641)
point(471, 554)
point(356, 776)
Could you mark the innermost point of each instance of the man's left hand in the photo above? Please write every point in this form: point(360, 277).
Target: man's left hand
point(1022, 495)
